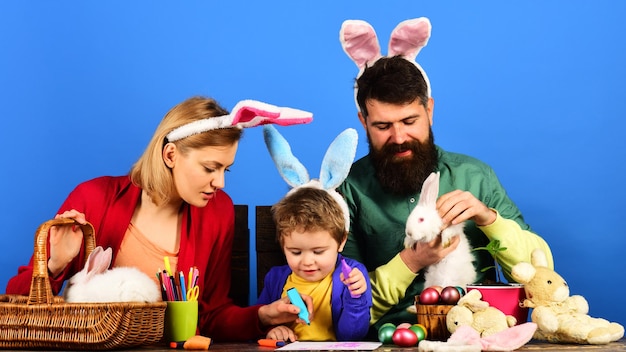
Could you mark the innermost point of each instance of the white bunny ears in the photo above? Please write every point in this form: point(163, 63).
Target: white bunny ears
point(335, 165)
point(99, 261)
point(430, 191)
point(247, 113)
point(358, 39)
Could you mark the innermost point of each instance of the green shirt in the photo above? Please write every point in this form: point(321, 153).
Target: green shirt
point(377, 230)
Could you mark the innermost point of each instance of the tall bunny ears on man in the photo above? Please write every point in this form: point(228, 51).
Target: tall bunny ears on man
point(247, 113)
point(335, 165)
point(358, 39)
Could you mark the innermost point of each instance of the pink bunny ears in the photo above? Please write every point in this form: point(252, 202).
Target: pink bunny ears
point(247, 113)
point(359, 41)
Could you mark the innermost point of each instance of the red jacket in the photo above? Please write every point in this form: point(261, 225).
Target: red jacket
point(206, 242)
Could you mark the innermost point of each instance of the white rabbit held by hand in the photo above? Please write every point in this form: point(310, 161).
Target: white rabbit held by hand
point(424, 225)
point(96, 283)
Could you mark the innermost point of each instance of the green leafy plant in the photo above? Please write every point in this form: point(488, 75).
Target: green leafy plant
point(493, 247)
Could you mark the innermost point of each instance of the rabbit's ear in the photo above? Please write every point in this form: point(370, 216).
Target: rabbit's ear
point(338, 159)
point(430, 190)
point(538, 258)
point(409, 37)
point(250, 113)
point(358, 39)
point(98, 261)
point(289, 167)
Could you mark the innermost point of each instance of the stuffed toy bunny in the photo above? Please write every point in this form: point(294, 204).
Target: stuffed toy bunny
point(472, 311)
point(466, 339)
point(424, 225)
point(335, 165)
point(96, 283)
point(559, 316)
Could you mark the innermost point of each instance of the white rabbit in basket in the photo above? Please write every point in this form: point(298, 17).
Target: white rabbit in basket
point(96, 283)
point(424, 225)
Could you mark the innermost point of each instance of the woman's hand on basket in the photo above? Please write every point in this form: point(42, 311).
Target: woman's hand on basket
point(65, 241)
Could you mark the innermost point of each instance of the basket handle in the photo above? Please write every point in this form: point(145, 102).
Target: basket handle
point(40, 289)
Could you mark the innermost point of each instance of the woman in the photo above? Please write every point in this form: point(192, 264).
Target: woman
point(171, 204)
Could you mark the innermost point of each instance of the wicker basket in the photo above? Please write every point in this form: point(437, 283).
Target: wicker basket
point(42, 320)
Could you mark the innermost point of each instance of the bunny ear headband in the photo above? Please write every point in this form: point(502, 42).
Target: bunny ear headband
point(335, 165)
point(358, 39)
point(247, 113)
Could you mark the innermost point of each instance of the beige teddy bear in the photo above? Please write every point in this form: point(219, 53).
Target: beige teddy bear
point(472, 311)
point(559, 316)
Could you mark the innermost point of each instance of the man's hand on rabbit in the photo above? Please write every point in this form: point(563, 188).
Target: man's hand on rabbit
point(423, 254)
point(457, 206)
point(65, 241)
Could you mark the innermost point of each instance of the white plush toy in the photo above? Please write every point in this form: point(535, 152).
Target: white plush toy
point(472, 311)
point(466, 339)
point(559, 316)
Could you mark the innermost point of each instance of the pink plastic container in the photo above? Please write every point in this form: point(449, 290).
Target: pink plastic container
point(506, 298)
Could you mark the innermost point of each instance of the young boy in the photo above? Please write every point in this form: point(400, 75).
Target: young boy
point(311, 229)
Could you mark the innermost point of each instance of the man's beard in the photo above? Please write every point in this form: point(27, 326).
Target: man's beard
point(404, 175)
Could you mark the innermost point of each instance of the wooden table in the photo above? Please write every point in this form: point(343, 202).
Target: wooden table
point(531, 346)
point(253, 347)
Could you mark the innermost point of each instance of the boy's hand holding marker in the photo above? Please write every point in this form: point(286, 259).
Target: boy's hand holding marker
point(346, 270)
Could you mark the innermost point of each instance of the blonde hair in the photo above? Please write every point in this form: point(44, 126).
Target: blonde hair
point(150, 172)
point(309, 209)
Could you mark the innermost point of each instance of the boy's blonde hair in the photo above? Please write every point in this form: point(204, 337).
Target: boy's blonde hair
point(150, 172)
point(309, 209)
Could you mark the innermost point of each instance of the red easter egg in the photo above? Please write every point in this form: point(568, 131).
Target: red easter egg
point(429, 296)
point(450, 295)
point(404, 337)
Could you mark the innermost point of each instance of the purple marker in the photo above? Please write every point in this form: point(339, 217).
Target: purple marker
point(346, 269)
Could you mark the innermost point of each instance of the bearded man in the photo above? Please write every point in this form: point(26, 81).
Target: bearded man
point(396, 111)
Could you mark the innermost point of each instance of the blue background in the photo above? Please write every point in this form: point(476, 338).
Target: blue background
point(534, 88)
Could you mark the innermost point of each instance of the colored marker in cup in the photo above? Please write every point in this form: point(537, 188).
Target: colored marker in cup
point(346, 269)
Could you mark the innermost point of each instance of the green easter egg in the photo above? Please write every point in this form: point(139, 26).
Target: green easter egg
point(385, 333)
point(420, 331)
